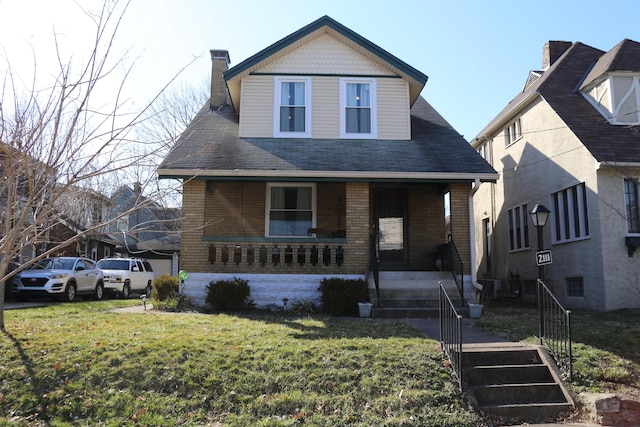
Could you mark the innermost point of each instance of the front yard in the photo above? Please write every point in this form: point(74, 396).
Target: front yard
point(81, 364)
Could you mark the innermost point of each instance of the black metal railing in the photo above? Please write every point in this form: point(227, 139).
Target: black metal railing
point(555, 329)
point(374, 262)
point(451, 332)
point(457, 267)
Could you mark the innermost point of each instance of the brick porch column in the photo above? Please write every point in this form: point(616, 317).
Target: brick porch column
point(193, 250)
point(357, 227)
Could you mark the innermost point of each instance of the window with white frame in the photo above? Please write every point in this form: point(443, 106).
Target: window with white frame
point(513, 132)
point(570, 216)
point(292, 113)
point(290, 209)
point(518, 228)
point(631, 207)
point(358, 109)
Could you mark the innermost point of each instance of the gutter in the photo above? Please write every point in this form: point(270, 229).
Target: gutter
point(472, 236)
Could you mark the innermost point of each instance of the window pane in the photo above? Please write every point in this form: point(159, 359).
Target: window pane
point(292, 119)
point(631, 204)
point(292, 107)
point(291, 211)
point(290, 223)
point(292, 93)
point(358, 95)
point(358, 120)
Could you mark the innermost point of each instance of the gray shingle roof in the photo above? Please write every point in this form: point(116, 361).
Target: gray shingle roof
point(210, 147)
point(558, 87)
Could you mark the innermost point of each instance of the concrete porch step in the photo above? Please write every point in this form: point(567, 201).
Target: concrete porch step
point(514, 381)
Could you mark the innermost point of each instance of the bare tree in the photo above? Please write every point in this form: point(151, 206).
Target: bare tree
point(61, 138)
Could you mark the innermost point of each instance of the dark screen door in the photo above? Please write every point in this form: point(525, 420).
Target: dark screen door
point(391, 225)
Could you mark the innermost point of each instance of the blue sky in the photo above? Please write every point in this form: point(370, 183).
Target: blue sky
point(477, 54)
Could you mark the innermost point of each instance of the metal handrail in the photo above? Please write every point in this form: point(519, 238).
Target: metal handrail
point(451, 332)
point(555, 329)
point(374, 261)
point(456, 261)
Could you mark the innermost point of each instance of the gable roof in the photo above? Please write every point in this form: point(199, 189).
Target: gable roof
point(210, 148)
point(416, 78)
point(558, 86)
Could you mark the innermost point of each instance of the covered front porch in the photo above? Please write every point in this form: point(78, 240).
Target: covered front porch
point(355, 228)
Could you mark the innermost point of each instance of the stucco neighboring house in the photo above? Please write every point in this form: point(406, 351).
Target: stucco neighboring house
point(571, 142)
point(317, 157)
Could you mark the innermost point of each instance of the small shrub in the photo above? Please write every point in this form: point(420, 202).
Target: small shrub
point(304, 307)
point(340, 297)
point(229, 295)
point(165, 287)
point(173, 303)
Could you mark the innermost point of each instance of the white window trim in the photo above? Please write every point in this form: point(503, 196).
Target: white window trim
point(582, 207)
point(276, 107)
point(517, 132)
point(289, 184)
point(524, 228)
point(343, 105)
point(624, 204)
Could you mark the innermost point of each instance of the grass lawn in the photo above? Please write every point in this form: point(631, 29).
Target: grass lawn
point(82, 364)
point(606, 346)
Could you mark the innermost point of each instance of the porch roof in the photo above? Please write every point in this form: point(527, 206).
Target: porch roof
point(210, 148)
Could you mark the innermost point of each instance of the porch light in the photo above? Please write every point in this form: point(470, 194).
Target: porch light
point(539, 215)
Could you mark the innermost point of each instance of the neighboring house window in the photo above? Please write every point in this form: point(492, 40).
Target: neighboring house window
point(631, 205)
point(575, 286)
point(484, 151)
point(571, 220)
point(290, 209)
point(518, 228)
point(358, 110)
point(292, 115)
point(513, 132)
point(107, 252)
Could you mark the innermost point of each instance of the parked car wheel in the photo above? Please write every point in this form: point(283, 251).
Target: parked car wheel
point(126, 291)
point(148, 289)
point(70, 292)
point(99, 295)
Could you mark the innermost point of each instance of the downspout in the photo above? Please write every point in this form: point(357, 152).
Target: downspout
point(472, 238)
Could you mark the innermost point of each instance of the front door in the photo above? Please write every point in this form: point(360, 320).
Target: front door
point(390, 207)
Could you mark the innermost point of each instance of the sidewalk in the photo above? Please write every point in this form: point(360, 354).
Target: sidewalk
point(470, 335)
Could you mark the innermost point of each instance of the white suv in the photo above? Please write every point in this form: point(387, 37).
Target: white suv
point(124, 275)
point(65, 277)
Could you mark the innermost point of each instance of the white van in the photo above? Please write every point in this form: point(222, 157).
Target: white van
point(125, 275)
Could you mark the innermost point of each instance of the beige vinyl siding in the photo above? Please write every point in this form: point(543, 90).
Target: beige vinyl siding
point(256, 116)
point(325, 107)
point(393, 109)
point(324, 55)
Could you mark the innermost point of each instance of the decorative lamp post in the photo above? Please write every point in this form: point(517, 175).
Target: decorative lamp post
point(539, 217)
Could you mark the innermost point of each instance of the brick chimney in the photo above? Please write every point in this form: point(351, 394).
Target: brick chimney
point(219, 64)
point(553, 50)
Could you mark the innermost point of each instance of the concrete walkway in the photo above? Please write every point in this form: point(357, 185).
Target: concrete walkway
point(470, 335)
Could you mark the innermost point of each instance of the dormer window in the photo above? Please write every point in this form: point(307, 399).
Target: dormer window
point(292, 114)
point(617, 98)
point(358, 112)
point(513, 132)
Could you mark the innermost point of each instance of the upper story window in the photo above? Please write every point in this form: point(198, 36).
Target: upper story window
point(617, 98)
point(518, 228)
point(358, 109)
point(570, 216)
point(631, 207)
point(290, 209)
point(513, 132)
point(292, 113)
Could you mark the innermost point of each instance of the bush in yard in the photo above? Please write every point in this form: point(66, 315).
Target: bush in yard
point(166, 294)
point(229, 295)
point(340, 297)
point(164, 287)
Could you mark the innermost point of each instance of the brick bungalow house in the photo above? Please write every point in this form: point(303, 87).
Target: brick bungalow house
point(313, 155)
